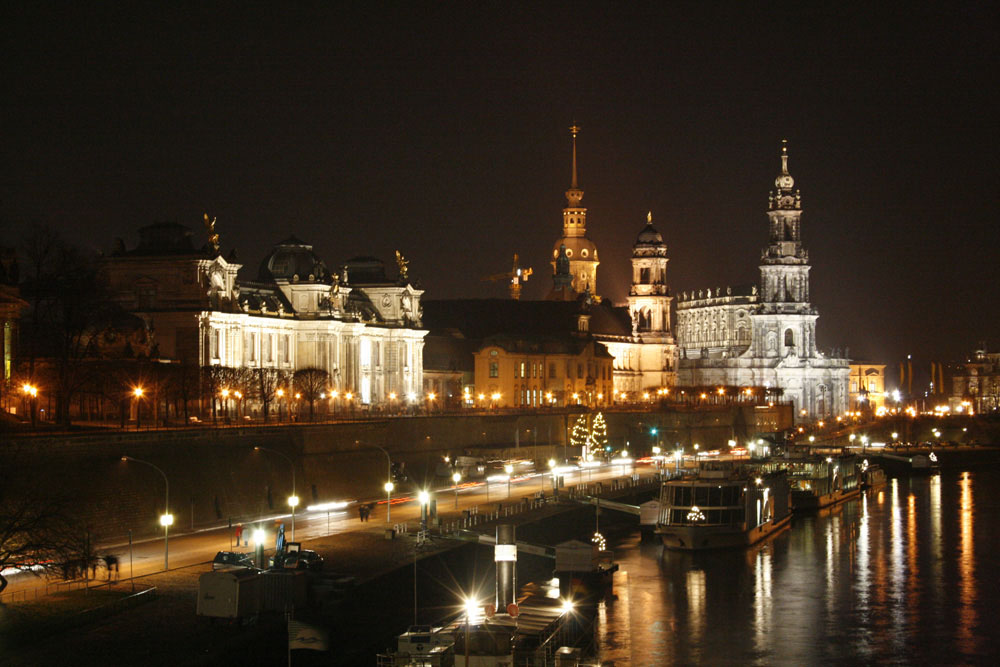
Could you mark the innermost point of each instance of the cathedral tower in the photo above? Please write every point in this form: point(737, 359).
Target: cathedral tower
point(649, 296)
point(784, 275)
point(580, 250)
point(649, 306)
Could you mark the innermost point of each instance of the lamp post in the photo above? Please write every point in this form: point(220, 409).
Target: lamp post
point(166, 519)
point(293, 500)
point(388, 486)
point(137, 392)
point(456, 477)
point(388, 475)
point(552, 470)
point(32, 391)
point(509, 469)
point(425, 499)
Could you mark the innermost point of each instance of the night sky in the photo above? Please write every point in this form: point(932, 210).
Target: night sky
point(442, 131)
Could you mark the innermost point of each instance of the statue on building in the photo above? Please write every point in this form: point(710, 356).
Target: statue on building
point(213, 238)
point(402, 264)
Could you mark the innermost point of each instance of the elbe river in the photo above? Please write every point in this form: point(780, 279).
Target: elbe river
point(905, 574)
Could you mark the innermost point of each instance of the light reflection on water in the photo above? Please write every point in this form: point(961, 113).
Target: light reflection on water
point(902, 574)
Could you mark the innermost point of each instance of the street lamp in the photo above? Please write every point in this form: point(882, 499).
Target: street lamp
point(424, 498)
point(137, 392)
point(167, 519)
point(509, 469)
point(388, 486)
point(388, 477)
point(456, 477)
point(32, 391)
point(293, 497)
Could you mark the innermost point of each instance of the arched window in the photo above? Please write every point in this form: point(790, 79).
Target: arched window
point(789, 338)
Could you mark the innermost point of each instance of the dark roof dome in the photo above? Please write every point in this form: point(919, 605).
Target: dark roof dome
point(649, 236)
point(293, 260)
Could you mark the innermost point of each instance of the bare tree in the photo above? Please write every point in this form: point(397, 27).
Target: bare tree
point(311, 382)
point(266, 382)
point(33, 525)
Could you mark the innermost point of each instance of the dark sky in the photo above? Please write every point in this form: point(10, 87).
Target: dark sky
point(441, 130)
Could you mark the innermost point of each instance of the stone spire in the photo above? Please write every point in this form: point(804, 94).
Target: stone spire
point(581, 251)
point(782, 197)
point(574, 195)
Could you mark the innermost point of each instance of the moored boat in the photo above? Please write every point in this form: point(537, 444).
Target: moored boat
point(726, 505)
point(872, 476)
point(818, 481)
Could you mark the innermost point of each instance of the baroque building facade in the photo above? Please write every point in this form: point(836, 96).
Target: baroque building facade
point(360, 327)
point(765, 336)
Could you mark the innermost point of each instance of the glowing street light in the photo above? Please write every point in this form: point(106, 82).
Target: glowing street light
point(166, 519)
point(456, 477)
point(137, 393)
point(424, 498)
point(388, 486)
point(293, 496)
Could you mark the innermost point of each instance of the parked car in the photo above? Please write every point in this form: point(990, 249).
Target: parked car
point(303, 560)
point(225, 560)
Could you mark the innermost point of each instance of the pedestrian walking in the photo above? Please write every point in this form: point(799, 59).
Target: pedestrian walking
point(371, 509)
point(362, 509)
point(239, 533)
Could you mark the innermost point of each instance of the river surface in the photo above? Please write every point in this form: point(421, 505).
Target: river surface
point(908, 574)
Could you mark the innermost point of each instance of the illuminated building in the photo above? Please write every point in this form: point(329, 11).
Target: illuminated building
point(976, 383)
point(360, 327)
point(765, 335)
point(11, 305)
point(867, 386)
point(521, 371)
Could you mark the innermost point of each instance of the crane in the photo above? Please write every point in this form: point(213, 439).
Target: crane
point(516, 276)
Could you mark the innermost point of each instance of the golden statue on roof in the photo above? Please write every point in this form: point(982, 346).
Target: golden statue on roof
point(213, 238)
point(402, 264)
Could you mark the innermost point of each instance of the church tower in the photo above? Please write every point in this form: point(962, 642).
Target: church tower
point(649, 296)
point(790, 319)
point(649, 306)
point(580, 250)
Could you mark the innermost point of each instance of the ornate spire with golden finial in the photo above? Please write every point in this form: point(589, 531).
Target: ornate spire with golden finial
point(574, 194)
point(574, 129)
point(784, 156)
point(649, 217)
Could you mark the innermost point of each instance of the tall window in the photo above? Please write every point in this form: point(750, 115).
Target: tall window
point(789, 338)
point(252, 345)
point(552, 370)
point(494, 369)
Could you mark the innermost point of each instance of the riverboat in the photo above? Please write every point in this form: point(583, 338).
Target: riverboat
point(819, 481)
point(725, 505)
point(533, 631)
point(872, 476)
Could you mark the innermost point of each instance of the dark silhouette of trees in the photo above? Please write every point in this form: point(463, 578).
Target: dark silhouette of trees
point(265, 383)
point(33, 524)
point(311, 382)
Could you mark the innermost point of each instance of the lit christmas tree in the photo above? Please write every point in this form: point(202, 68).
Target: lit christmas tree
point(599, 433)
point(580, 436)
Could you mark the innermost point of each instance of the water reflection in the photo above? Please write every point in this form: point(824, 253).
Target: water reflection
point(761, 598)
point(966, 569)
point(890, 577)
